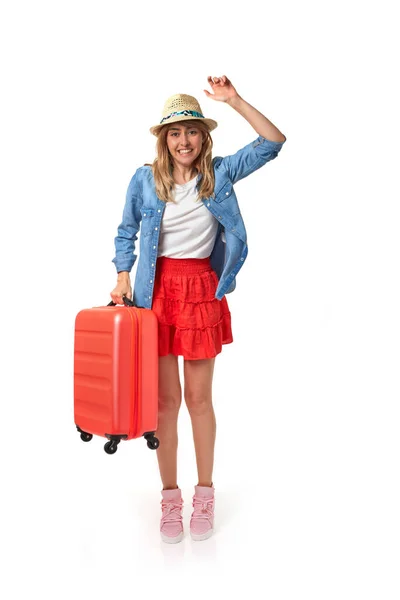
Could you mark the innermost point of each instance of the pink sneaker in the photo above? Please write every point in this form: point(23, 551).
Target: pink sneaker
point(202, 520)
point(171, 527)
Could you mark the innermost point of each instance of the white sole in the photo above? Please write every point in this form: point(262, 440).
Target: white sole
point(171, 540)
point(198, 537)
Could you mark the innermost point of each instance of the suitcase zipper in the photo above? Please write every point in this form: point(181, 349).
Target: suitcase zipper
point(136, 370)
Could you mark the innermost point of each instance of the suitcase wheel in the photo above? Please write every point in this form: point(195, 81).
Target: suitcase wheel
point(152, 441)
point(111, 447)
point(85, 436)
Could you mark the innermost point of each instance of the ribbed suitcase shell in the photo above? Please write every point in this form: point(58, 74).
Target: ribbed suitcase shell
point(116, 371)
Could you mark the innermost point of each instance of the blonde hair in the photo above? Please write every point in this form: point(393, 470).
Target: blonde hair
point(163, 165)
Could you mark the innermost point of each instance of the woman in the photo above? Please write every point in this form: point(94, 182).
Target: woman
point(192, 245)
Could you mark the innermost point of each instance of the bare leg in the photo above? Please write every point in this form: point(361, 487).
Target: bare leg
point(169, 402)
point(198, 397)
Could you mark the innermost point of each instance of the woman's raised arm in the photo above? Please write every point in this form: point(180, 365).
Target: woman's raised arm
point(224, 91)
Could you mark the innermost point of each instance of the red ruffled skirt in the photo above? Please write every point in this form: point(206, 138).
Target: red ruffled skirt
point(193, 323)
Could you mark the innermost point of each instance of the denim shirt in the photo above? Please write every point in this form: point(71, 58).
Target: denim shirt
point(144, 210)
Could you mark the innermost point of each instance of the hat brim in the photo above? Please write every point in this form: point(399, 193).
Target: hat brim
point(211, 124)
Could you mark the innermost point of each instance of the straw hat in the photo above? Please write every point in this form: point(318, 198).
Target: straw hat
point(181, 107)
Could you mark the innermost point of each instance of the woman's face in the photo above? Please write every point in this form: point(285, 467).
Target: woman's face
point(184, 143)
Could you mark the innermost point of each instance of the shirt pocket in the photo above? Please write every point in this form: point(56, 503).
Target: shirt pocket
point(146, 227)
point(224, 192)
point(226, 198)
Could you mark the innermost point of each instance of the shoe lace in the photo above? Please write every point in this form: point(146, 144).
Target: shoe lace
point(171, 511)
point(203, 508)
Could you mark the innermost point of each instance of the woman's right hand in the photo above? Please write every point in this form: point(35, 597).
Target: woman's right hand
point(123, 288)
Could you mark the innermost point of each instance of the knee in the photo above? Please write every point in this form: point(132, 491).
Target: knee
point(198, 403)
point(169, 402)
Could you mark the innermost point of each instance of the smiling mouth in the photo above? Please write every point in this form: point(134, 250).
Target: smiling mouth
point(184, 151)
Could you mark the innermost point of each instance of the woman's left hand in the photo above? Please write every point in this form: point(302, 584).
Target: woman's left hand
point(222, 88)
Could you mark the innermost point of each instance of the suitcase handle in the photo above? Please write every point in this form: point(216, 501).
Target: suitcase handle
point(126, 300)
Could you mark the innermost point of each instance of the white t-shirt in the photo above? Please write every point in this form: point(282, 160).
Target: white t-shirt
point(188, 229)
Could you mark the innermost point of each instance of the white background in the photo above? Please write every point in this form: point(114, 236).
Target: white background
point(307, 396)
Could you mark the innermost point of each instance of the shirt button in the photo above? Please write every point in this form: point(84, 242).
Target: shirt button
point(152, 264)
point(227, 194)
point(155, 228)
point(242, 259)
point(144, 214)
point(149, 297)
point(159, 210)
point(151, 281)
point(154, 247)
point(208, 204)
point(219, 217)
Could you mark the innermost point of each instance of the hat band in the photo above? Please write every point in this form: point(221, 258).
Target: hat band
point(186, 113)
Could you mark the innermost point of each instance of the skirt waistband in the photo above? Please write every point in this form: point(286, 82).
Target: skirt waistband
point(183, 266)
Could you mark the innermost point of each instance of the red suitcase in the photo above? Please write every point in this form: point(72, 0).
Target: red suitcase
point(116, 374)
